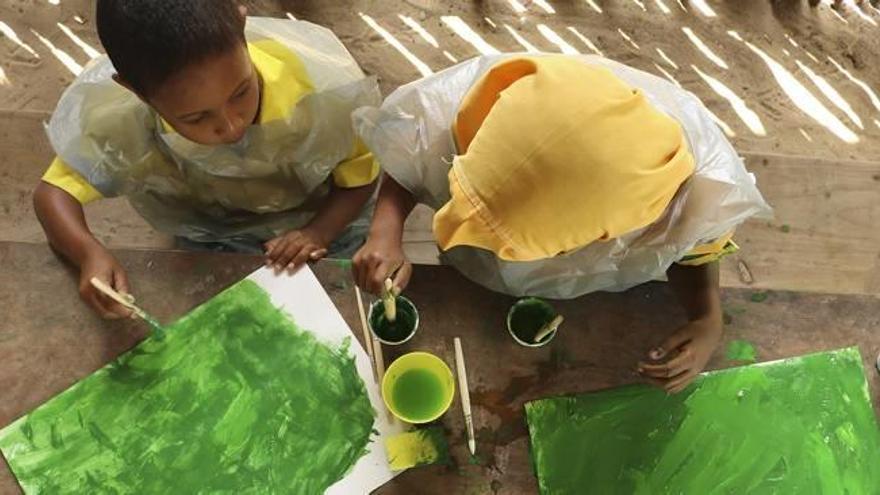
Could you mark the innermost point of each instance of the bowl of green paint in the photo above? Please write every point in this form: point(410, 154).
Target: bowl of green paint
point(418, 387)
point(525, 319)
point(401, 329)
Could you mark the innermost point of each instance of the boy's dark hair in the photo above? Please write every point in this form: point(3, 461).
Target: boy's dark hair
point(148, 41)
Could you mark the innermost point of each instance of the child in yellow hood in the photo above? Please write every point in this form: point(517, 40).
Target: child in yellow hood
point(227, 132)
point(557, 176)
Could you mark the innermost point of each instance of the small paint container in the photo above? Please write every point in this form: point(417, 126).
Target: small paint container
point(418, 387)
point(401, 329)
point(525, 319)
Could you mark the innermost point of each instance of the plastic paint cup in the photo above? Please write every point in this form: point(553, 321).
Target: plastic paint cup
point(418, 387)
point(525, 319)
point(401, 329)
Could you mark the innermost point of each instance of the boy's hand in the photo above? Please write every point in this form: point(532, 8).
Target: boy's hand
point(684, 355)
point(291, 250)
point(102, 265)
point(376, 261)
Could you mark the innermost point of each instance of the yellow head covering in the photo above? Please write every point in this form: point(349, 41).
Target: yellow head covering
point(556, 154)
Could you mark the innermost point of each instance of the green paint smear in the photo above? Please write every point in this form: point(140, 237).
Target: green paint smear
point(529, 316)
point(801, 425)
point(741, 350)
point(398, 330)
point(418, 394)
point(759, 297)
point(237, 398)
point(436, 437)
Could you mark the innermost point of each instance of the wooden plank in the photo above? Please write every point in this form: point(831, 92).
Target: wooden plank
point(825, 237)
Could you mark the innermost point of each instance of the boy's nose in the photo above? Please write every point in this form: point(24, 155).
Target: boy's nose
point(232, 128)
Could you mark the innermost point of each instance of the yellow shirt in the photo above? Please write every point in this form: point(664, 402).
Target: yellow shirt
point(283, 85)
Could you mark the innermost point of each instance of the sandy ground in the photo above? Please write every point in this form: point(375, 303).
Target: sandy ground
point(748, 41)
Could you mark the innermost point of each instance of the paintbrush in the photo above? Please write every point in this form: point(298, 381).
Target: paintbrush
point(389, 300)
point(550, 327)
point(128, 301)
point(368, 338)
point(465, 394)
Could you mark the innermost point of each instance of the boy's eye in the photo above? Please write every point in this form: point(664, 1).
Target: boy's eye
point(194, 120)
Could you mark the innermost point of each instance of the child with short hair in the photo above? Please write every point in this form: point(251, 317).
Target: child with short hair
point(227, 132)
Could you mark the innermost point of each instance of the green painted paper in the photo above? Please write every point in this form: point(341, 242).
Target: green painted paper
point(236, 398)
point(800, 425)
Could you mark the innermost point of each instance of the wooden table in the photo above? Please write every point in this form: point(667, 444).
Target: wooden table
point(49, 340)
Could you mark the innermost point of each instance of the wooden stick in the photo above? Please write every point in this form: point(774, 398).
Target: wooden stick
point(380, 360)
point(549, 328)
point(368, 337)
point(465, 394)
point(126, 300)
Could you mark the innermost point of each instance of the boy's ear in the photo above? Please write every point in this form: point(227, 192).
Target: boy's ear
point(122, 82)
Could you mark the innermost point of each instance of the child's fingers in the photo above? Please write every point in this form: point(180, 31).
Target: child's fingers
point(680, 383)
point(671, 343)
point(401, 280)
point(285, 255)
point(316, 255)
point(377, 278)
point(103, 306)
point(674, 367)
point(272, 250)
point(300, 258)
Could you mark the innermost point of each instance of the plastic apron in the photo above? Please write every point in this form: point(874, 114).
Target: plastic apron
point(410, 134)
point(270, 182)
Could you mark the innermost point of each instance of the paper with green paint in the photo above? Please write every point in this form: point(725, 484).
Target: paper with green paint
point(260, 390)
point(799, 425)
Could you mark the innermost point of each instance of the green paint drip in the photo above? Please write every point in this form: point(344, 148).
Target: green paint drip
point(529, 315)
point(238, 398)
point(398, 330)
point(417, 394)
point(741, 350)
point(801, 425)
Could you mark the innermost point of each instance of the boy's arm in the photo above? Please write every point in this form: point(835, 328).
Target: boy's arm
point(341, 207)
point(383, 254)
point(686, 352)
point(63, 220)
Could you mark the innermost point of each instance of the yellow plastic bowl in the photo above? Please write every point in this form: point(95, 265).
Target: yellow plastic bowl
point(424, 361)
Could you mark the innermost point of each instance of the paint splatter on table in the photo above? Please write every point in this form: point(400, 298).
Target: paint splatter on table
point(236, 396)
point(799, 425)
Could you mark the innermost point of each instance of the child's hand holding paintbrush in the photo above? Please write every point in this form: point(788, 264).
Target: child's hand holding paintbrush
point(127, 301)
point(377, 261)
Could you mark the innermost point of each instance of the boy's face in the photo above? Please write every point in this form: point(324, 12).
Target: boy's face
point(212, 102)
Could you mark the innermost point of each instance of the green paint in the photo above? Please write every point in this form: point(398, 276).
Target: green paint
point(741, 350)
point(759, 297)
point(418, 394)
point(785, 228)
point(476, 460)
point(158, 331)
point(237, 399)
point(434, 435)
point(345, 264)
point(398, 330)
point(528, 316)
point(801, 425)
